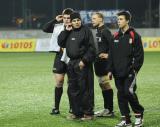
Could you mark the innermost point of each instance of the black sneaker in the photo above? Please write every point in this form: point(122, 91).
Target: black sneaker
point(55, 111)
point(124, 124)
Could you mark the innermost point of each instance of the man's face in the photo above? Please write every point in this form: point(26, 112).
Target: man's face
point(76, 23)
point(96, 20)
point(122, 22)
point(66, 19)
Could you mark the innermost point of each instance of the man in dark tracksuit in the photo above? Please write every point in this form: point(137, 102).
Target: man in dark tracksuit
point(126, 59)
point(78, 41)
point(103, 38)
point(59, 67)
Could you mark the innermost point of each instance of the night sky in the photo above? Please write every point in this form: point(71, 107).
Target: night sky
point(13, 8)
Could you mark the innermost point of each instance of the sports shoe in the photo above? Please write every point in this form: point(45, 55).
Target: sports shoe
point(72, 117)
point(104, 113)
point(124, 124)
point(87, 117)
point(55, 111)
point(138, 122)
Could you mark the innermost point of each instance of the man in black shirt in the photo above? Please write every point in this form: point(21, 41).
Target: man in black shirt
point(78, 41)
point(103, 38)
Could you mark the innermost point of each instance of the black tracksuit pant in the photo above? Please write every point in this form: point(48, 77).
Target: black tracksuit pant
point(81, 88)
point(126, 95)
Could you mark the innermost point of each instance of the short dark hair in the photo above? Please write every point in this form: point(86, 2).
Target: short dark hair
point(127, 15)
point(75, 15)
point(67, 11)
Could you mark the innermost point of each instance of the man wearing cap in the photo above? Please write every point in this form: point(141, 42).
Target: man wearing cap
point(78, 41)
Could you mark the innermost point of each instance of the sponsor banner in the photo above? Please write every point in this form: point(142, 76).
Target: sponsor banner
point(17, 45)
point(151, 43)
point(110, 16)
point(43, 45)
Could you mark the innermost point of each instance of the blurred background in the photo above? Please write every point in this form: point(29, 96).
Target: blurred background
point(21, 21)
point(32, 14)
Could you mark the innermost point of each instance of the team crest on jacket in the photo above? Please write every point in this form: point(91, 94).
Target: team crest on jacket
point(99, 39)
point(130, 41)
point(73, 39)
point(116, 41)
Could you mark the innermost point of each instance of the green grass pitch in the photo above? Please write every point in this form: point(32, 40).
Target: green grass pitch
point(26, 93)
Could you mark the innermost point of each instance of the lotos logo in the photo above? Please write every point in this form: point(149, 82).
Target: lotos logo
point(16, 45)
point(5, 45)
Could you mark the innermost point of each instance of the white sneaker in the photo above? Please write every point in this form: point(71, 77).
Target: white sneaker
point(103, 113)
point(123, 124)
point(138, 122)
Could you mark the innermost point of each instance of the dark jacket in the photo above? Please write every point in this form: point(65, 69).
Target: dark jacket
point(79, 44)
point(49, 27)
point(104, 37)
point(126, 55)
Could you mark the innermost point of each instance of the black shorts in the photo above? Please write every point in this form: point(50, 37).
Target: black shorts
point(59, 66)
point(101, 67)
